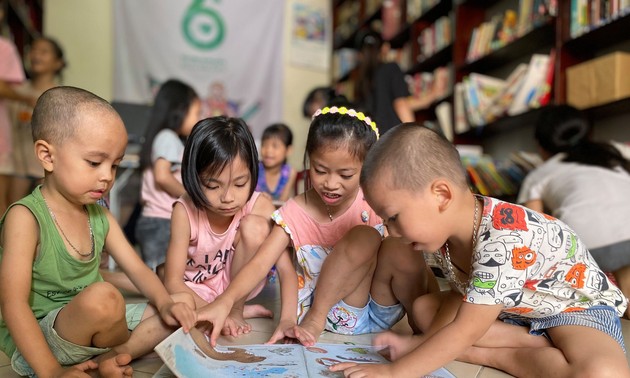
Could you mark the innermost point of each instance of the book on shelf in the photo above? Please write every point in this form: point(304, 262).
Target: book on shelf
point(587, 15)
point(497, 179)
point(479, 93)
point(534, 78)
point(460, 123)
point(525, 11)
point(487, 88)
point(543, 94)
point(391, 18)
point(504, 99)
point(443, 112)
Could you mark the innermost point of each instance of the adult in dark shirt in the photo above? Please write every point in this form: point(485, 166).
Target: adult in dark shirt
point(380, 87)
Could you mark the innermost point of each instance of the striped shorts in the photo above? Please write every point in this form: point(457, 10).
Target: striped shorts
point(602, 318)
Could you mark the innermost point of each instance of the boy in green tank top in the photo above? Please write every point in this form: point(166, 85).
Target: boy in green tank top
point(59, 318)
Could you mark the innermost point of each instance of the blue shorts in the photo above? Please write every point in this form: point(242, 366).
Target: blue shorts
point(373, 317)
point(68, 353)
point(602, 318)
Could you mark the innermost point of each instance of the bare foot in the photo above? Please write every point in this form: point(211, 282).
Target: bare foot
point(256, 311)
point(115, 366)
point(235, 324)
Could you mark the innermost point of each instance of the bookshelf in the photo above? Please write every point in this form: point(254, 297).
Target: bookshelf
point(556, 27)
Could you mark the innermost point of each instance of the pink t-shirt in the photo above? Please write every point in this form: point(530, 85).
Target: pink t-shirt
point(157, 203)
point(313, 240)
point(11, 71)
point(210, 254)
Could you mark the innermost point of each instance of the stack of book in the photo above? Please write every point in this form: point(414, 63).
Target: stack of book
point(480, 99)
point(587, 15)
point(503, 180)
point(502, 29)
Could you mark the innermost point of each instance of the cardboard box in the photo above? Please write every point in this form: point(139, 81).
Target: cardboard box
point(599, 81)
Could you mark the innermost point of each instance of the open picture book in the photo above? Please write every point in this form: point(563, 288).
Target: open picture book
point(190, 355)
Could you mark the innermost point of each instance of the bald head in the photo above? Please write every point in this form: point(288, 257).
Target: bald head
point(410, 157)
point(58, 110)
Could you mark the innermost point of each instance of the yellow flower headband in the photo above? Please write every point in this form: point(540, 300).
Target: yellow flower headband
point(352, 113)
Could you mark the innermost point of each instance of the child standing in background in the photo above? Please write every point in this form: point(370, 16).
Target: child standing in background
point(11, 73)
point(522, 274)
point(275, 176)
point(46, 64)
point(335, 235)
point(174, 113)
point(57, 313)
point(218, 225)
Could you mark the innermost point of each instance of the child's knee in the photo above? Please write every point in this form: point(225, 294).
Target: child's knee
point(102, 300)
point(254, 229)
point(361, 244)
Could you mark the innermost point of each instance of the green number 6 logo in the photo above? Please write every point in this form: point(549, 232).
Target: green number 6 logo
point(202, 26)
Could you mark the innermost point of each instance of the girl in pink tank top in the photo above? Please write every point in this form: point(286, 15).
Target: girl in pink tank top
point(218, 225)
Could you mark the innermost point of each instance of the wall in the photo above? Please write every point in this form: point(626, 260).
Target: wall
point(85, 29)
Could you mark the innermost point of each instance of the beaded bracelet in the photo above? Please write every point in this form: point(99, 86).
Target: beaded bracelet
point(352, 113)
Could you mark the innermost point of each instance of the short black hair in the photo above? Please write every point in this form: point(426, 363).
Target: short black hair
point(280, 131)
point(213, 144)
point(56, 111)
point(413, 156)
point(323, 94)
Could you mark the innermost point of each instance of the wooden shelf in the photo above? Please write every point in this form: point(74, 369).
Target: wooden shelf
point(612, 109)
point(350, 41)
point(440, 58)
point(430, 16)
point(536, 39)
point(525, 119)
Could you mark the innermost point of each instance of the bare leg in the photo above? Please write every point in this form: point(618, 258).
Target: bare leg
point(623, 280)
point(346, 274)
point(96, 317)
point(252, 232)
point(119, 280)
point(577, 351)
point(401, 276)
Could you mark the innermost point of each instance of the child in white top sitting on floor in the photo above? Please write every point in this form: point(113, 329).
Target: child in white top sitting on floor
point(516, 273)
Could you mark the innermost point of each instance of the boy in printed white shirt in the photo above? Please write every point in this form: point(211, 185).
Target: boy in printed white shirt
point(516, 274)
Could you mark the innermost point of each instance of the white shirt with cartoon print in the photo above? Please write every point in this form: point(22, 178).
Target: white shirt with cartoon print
point(535, 265)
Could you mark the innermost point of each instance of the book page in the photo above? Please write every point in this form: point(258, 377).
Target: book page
point(190, 355)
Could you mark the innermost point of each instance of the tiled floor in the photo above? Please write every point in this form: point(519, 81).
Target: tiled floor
point(262, 329)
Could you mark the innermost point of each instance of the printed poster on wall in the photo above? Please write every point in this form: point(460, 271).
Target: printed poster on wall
point(311, 34)
point(229, 51)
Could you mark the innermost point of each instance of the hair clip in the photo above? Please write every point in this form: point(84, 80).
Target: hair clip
point(352, 113)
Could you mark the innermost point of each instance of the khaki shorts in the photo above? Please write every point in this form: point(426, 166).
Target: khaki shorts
point(68, 353)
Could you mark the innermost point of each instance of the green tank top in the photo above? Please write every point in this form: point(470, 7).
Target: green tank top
point(56, 276)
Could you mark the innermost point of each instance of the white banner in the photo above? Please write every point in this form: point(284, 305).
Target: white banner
point(230, 51)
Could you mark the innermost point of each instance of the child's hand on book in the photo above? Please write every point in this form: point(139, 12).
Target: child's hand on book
point(283, 332)
point(215, 313)
point(353, 369)
point(178, 313)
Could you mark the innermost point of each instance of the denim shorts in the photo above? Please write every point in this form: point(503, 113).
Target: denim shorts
point(68, 353)
point(373, 317)
point(153, 236)
point(602, 318)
